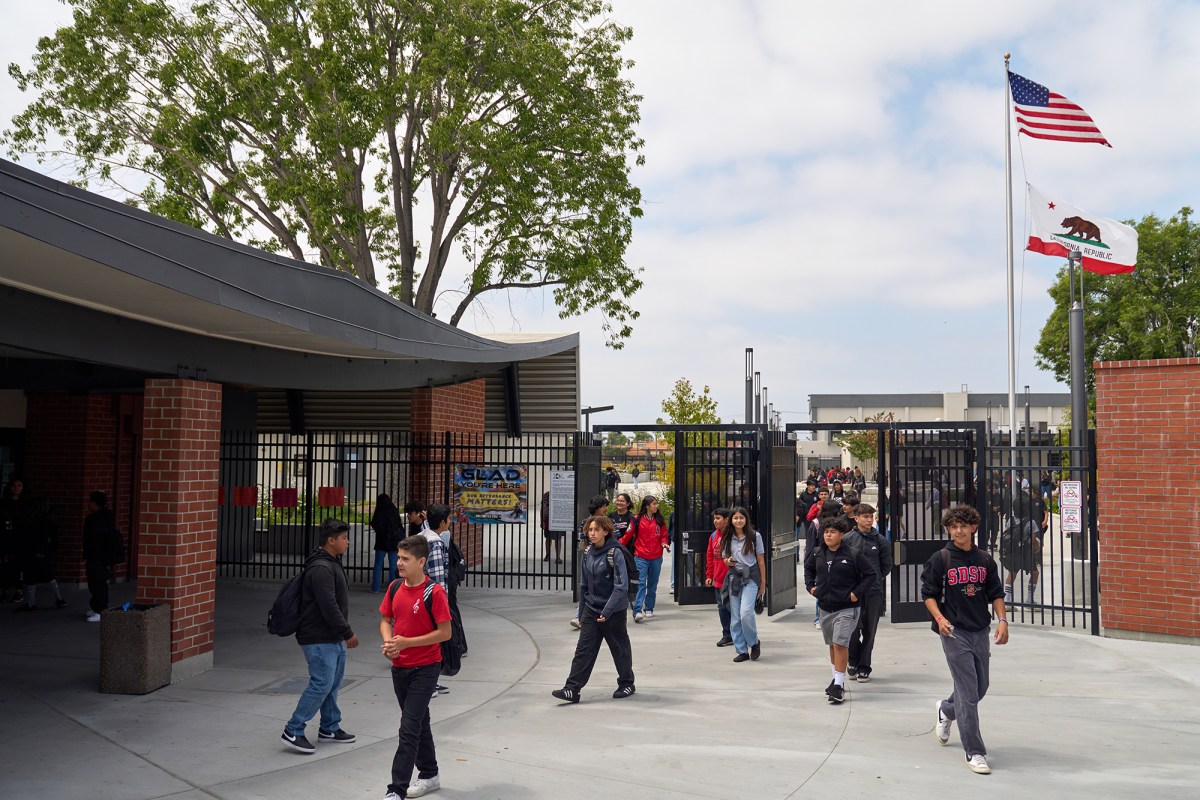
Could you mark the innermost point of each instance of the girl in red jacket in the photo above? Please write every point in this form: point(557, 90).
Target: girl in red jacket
point(647, 538)
point(715, 569)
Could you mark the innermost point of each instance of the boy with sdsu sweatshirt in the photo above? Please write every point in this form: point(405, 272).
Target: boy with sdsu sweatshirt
point(839, 578)
point(415, 620)
point(961, 586)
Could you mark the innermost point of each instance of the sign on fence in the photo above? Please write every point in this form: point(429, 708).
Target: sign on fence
point(1070, 499)
point(491, 494)
point(562, 500)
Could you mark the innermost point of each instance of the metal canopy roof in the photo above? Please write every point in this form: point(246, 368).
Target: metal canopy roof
point(95, 280)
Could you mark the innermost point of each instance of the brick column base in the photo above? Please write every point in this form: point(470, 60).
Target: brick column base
point(177, 548)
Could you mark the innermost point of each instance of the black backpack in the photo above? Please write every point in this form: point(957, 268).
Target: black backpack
point(611, 557)
point(452, 648)
point(284, 617)
point(456, 565)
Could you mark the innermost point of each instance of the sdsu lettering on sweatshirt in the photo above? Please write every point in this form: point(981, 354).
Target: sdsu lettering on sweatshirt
point(964, 585)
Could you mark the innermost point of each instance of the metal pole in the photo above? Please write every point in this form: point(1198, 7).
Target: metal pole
point(756, 417)
point(1027, 442)
point(765, 405)
point(1079, 420)
point(749, 384)
point(1008, 247)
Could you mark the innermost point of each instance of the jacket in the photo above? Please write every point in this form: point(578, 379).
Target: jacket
point(965, 585)
point(99, 528)
point(603, 589)
point(388, 529)
point(836, 575)
point(650, 538)
point(324, 601)
point(878, 551)
point(715, 567)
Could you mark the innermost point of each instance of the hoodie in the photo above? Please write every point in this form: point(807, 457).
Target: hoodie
point(837, 574)
point(602, 588)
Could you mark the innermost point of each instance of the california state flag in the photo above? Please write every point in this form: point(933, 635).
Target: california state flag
point(1055, 228)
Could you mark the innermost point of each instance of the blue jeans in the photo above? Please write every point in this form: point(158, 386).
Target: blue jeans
point(377, 576)
point(741, 617)
point(723, 615)
point(648, 572)
point(326, 666)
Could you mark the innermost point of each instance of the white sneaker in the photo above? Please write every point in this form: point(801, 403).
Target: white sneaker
point(638, 617)
point(392, 796)
point(423, 786)
point(93, 616)
point(649, 614)
point(942, 729)
point(575, 623)
point(978, 763)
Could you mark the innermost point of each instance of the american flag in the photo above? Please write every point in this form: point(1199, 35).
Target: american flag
point(1043, 114)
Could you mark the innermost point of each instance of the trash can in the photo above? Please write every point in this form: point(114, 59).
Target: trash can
point(135, 649)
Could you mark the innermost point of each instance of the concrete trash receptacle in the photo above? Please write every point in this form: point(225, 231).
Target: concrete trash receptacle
point(135, 649)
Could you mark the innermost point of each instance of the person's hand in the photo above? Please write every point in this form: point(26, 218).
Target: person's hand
point(762, 590)
point(601, 618)
point(813, 591)
point(708, 581)
point(944, 627)
point(853, 598)
point(1001, 634)
point(352, 642)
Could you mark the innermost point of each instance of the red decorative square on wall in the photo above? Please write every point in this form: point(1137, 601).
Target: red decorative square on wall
point(284, 498)
point(245, 495)
point(328, 496)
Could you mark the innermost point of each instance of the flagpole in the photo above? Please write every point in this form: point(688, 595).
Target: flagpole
point(1008, 246)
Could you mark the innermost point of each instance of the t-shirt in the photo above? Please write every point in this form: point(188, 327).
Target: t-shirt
point(410, 618)
point(749, 559)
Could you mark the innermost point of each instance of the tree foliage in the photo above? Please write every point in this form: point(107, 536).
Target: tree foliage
point(685, 407)
point(864, 445)
point(1153, 312)
point(373, 136)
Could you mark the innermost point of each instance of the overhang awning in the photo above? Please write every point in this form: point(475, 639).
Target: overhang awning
point(94, 280)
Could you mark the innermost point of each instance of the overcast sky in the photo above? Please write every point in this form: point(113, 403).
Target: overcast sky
point(824, 182)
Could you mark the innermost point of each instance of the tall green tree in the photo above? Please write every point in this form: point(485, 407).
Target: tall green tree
point(1152, 312)
point(684, 406)
point(378, 137)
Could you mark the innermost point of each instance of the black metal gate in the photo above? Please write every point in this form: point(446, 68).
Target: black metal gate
point(276, 488)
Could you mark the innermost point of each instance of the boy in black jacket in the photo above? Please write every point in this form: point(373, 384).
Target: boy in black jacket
point(866, 539)
point(838, 578)
point(323, 635)
point(959, 584)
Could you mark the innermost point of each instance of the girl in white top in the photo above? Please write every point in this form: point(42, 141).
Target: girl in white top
point(742, 549)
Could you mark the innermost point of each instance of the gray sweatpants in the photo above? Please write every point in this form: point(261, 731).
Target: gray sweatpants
point(967, 656)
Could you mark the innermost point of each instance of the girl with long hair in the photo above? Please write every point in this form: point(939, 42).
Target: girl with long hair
point(647, 534)
point(389, 530)
point(743, 552)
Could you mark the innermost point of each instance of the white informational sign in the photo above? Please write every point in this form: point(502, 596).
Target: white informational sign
point(1070, 494)
point(1072, 522)
point(562, 500)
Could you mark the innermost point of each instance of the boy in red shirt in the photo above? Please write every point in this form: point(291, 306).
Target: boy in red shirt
point(412, 638)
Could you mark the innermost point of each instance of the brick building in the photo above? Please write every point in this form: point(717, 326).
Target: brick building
point(130, 343)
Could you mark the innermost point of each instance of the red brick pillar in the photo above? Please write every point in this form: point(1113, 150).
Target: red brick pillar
point(1148, 445)
point(177, 549)
point(459, 411)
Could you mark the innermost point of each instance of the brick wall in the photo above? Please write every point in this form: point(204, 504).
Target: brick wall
point(1148, 445)
point(177, 547)
point(458, 409)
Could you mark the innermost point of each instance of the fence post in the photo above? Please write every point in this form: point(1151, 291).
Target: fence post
point(1093, 529)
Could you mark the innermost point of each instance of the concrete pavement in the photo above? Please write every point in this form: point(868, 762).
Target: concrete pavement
point(1068, 716)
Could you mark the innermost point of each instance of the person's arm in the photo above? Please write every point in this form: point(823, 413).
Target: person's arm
point(323, 590)
point(762, 570)
point(944, 626)
point(810, 570)
point(885, 558)
point(1001, 635)
point(435, 565)
point(620, 587)
point(867, 577)
point(710, 566)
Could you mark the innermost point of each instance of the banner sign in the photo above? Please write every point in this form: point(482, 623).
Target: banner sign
point(491, 494)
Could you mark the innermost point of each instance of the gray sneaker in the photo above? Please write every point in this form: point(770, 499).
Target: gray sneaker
point(942, 729)
point(978, 764)
point(423, 786)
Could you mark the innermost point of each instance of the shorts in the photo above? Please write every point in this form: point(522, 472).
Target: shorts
point(838, 626)
point(554, 534)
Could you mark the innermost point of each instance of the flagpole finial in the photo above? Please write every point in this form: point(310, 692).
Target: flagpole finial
point(1007, 56)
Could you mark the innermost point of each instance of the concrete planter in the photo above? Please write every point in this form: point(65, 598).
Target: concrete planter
point(135, 649)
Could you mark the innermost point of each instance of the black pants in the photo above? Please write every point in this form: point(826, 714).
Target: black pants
point(97, 582)
point(863, 640)
point(414, 688)
point(615, 632)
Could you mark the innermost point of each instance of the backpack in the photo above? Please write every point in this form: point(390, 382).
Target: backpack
point(452, 648)
point(456, 565)
point(611, 558)
point(284, 617)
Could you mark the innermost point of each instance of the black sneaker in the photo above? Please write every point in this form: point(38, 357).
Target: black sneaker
point(740, 657)
point(60, 603)
point(567, 695)
point(725, 641)
point(755, 651)
point(851, 671)
point(836, 694)
point(298, 743)
point(339, 736)
point(829, 688)
point(624, 691)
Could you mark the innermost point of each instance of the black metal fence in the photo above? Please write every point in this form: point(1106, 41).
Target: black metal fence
point(276, 488)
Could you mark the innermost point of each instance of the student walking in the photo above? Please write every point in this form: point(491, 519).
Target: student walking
point(603, 603)
point(40, 550)
point(596, 507)
point(962, 589)
point(838, 578)
point(100, 545)
point(647, 538)
point(715, 570)
point(324, 636)
point(389, 530)
point(414, 621)
point(742, 549)
point(867, 540)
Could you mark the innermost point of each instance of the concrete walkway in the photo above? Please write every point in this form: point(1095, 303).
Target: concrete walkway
point(1069, 715)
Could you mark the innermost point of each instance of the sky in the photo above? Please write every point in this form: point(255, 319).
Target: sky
point(824, 183)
